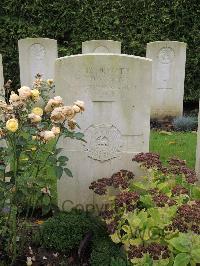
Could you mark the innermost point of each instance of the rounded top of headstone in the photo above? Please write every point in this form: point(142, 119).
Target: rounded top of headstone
point(101, 46)
point(37, 40)
point(102, 55)
point(167, 43)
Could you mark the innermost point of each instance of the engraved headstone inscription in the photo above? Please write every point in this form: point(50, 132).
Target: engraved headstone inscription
point(36, 55)
point(168, 74)
point(116, 123)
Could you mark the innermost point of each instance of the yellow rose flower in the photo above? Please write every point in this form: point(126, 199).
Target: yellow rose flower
point(37, 111)
point(12, 125)
point(35, 94)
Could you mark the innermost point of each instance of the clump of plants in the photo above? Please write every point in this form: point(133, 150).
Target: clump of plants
point(157, 216)
point(185, 123)
point(64, 231)
point(81, 235)
point(31, 125)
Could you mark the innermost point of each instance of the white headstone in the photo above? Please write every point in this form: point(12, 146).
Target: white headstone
point(168, 74)
point(36, 55)
point(197, 168)
point(101, 46)
point(116, 91)
point(2, 93)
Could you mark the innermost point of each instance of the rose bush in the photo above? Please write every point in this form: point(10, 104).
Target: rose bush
point(156, 218)
point(30, 127)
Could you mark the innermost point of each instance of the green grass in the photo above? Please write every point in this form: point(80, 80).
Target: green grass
point(179, 144)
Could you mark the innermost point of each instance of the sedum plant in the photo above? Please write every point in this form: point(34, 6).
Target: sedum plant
point(30, 127)
point(156, 217)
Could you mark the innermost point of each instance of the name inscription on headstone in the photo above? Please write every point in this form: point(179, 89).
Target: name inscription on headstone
point(102, 82)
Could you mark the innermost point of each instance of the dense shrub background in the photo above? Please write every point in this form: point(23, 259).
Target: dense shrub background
point(134, 22)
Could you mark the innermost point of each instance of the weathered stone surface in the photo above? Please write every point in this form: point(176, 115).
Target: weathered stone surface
point(116, 91)
point(2, 93)
point(197, 167)
point(101, 46)
point(36, 55)
point(168, 74)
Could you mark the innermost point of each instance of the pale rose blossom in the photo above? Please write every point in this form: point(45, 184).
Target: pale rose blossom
point(56, 130)
point(34, 118)
point(14, 97)
point(57, 101)
point(24, 92)
point(80, 104)
point(57, 115)
point(3, 104)
point(47, 135)
point(68, 112)
point(72, 124)
point(76, 108)
point(49, 107)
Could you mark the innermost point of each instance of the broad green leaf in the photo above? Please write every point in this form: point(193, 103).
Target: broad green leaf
point(182, 259)
point(147, 200)
point(161, 262)
point(126, 229)
point(68, 172)
point(180, 243)
point(59, 171)
point(79, 135)
point(195, 191)
point(195, 254)
point(63, 159)
point(136, 241)
point(115, 238)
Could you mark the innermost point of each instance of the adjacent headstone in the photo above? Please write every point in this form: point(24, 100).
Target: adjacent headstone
point(168, 74)
point(116, 91)
point(36, 55)
point(101, 46)
point(197, 168)
point(2, 93)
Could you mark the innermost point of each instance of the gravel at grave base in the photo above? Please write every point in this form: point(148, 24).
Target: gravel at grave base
point(44, 257)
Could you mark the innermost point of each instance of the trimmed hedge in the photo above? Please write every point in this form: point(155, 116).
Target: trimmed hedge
point(134, 22)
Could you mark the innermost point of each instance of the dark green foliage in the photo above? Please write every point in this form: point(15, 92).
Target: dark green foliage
point(65, 231)
point(134, 22)
point(103, 252)
point(119, 262)
point(185, 123)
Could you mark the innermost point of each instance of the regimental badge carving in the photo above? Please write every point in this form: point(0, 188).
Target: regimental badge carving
point(166, 55)
point(37, 51)
point(103, 142)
